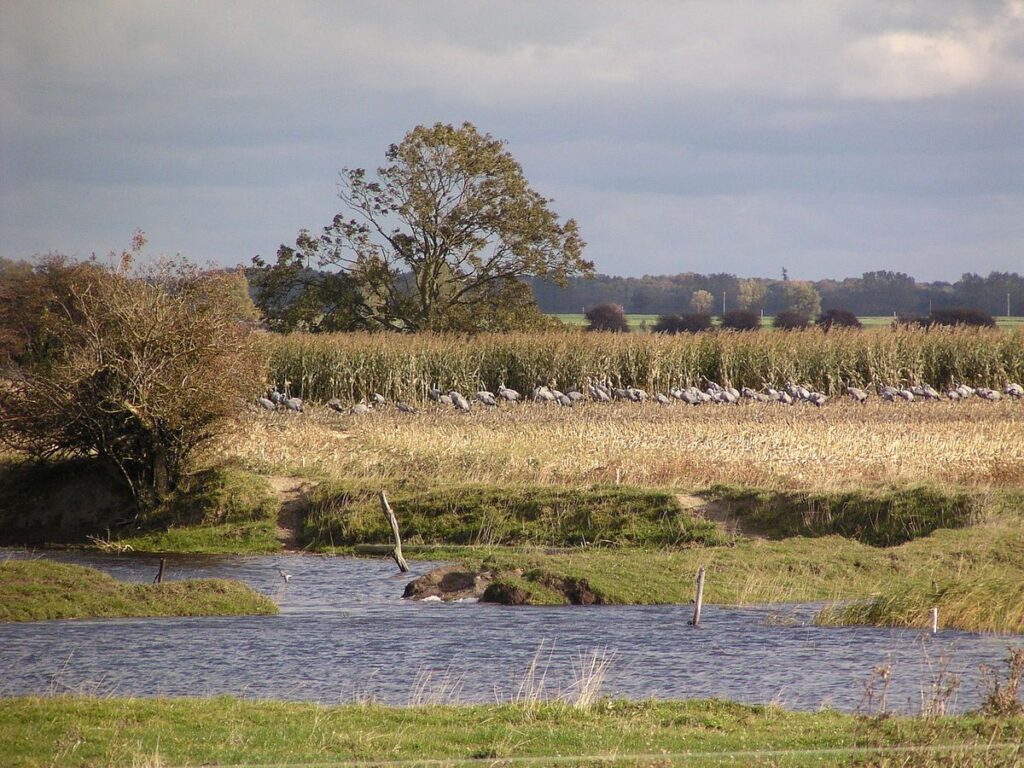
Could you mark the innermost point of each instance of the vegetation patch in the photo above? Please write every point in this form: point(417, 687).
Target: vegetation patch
point(38, 590)
point(77, 731)
point(223, 509)
point(508, 516)
point(882, 518)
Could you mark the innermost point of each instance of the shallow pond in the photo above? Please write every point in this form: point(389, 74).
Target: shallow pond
point(345, 634)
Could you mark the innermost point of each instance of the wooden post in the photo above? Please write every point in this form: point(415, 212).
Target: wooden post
point(935, 620)
point(699, 602)
point(396, 553)
point(160, 574)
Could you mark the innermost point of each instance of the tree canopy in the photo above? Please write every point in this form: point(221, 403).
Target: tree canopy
point(437, 241)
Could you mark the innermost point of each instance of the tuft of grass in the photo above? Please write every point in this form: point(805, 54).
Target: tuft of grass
point(79, 731)
point(38, 590)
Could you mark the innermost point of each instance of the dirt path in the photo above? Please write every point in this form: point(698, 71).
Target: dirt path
point(294, 495)
point(718, 513)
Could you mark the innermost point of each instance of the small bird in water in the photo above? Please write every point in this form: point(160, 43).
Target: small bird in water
point(285, 575)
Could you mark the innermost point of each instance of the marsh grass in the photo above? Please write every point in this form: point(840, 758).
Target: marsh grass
point(37, 590)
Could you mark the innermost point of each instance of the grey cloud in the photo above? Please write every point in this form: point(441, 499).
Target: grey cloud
point(835, 135)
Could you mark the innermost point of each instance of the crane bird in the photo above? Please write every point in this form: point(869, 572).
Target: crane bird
point(459, 401)
point(1016, 391)
point(575, 395)
point(857, 394)
point(294, 404)
point(404, 407)
point(509, 395)
point(359, 408)
point(377, 399)
point(485, 397)
point(542, 394)
point(267, 403)
point(335, 405)
point(662, 399)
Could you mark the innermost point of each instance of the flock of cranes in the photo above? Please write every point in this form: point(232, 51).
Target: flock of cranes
point(604, 393)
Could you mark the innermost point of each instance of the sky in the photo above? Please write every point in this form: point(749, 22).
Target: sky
point(830, 138)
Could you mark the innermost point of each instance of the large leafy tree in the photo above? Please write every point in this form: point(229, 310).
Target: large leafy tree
point(438, 240)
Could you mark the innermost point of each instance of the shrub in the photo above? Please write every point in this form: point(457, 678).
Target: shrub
point(741, 320)
point(607, 317)
point(689, 323)
point(840, 318)
point(961, 316)
point(141, 372)
point(791, 320)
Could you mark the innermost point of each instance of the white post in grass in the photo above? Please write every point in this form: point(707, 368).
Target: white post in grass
point(699, 602)
point(935, 620)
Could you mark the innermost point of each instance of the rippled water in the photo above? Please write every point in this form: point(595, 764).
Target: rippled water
point(344, 633)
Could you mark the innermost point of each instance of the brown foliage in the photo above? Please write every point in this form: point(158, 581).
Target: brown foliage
point(139, 372)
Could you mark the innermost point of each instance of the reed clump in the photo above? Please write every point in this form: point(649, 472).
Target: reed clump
point(352, 366)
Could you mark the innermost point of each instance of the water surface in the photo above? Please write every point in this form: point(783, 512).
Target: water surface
point(345, 634)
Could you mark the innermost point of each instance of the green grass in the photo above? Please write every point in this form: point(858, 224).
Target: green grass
point(509, 515)
point(880, 517)
point(38, 590)
point(76, 731)
point(220, 510)
point(346, 514)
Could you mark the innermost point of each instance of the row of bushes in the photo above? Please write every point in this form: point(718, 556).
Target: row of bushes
point(745, 320)
point(350, 366)
point(611, 317)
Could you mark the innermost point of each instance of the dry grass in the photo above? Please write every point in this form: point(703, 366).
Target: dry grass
point(839, 446)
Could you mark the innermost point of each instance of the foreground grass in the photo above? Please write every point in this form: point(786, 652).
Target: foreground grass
point(73, 731)
point(37, 590)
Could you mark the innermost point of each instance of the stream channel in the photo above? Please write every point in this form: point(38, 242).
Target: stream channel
point(344, 634)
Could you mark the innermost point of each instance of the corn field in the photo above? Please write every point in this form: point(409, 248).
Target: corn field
point(351, 366)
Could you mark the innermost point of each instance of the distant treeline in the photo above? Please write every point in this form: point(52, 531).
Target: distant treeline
point(874, 293)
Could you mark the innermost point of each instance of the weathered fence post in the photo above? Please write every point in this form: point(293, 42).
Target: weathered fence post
point(699, 602)
point(160, 574)
point(396, 553)
point(935, 620)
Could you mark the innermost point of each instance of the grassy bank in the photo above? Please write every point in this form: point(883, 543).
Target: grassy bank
point(73, 731)
point(349, 514)
point(223, 509)
point(351, 366)
point(37, 590)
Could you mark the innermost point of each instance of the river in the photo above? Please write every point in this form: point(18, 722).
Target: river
point(345, 634)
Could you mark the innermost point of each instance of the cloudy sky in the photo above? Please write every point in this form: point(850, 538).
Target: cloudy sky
point(832, 138)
